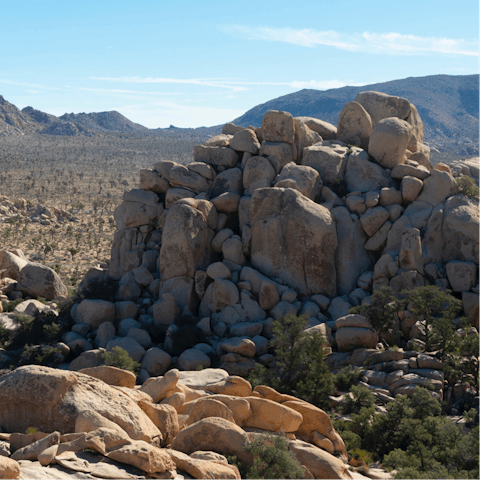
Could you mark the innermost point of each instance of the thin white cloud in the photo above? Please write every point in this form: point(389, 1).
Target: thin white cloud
point(185, 81)
point(134, 92)
point(233, 85)
point(380, 43)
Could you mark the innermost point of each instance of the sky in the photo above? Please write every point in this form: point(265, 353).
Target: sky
point(192, 63)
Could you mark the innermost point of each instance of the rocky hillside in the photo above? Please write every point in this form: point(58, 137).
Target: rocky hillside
point(448, 105)
point(106, 122)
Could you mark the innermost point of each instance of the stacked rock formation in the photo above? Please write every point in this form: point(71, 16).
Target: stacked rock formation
point(296, 216)
point(185, 422)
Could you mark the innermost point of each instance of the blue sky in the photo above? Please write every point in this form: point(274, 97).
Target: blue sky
point(193, 63)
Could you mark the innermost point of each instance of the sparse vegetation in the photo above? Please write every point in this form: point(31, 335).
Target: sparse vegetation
point(120, 358)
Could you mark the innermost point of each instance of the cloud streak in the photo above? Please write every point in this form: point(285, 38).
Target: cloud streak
point(233, 85)
point(376, 43)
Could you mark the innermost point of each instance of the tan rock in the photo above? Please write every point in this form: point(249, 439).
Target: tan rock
point(186, 242)
point(232, 385)
point(278, 127)
point(388, 142)
point(373, 219)
point(161, 387)
point(32, 451)
point(209, 407)
point(304, 137)
point(242, 346)
point(240, 407)
point(10, 265)
point(316, 420)
point(410, 188)
point(272, 416)
point(37, 280)
point(111, 375)
point(323, 442)
point(330, 161)
point(410, 257)
point(150, 180)
point(90, 420)
point(443, 167)
point(198, 468)
point(326, 130)
point(437, 188)
point(245, 141)
point(283, 219)
point(279, 154)
point(220, 156)
point(215, 434)
point(164, 417)
point(354, 125)
point(258, 173)
point(263, 391)
point(9, 468)
point(320, 463)
point(460, 230)
point(52, 399)
point(302, 178)
point(380, 105)
point(222, 140)
point(47, 456)
point(146, 457)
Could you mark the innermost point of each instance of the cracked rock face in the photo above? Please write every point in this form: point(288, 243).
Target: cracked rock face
point(294, 239)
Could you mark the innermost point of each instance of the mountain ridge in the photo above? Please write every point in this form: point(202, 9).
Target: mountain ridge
point(448, 106)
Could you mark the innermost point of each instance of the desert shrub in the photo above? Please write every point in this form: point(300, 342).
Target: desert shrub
point(382, 309)
point(120, 358)
point(360, 397)
point(26, 321)
point(300, 366)
point(346, 377)
point(9, 305)
point(272, 459)
point(436, 310)
point(44, 355)
point(414, 438)
point(467, 186)
point(4, 335)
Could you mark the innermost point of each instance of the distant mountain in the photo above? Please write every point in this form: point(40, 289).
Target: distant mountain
point(106, 122)
point(448, 105)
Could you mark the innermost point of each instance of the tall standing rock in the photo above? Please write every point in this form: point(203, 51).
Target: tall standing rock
point(185, 242)
point(354, 125)
point(460, 230)
point(351, 258)
point(294, 239)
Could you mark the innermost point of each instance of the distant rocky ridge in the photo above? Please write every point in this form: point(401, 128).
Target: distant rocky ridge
point(448, 105)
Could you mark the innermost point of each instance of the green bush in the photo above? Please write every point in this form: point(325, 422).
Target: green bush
point(346, 377)
point(9, 305)
point(382, 309)
point(120, 358)
point(300, 366)
point(436, 310)
point(467, 186)
point(359, 397)
point(414, 438)
point(272, 459)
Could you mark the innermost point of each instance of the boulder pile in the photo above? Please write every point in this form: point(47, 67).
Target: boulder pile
point(294, 217)
point(98, 423)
